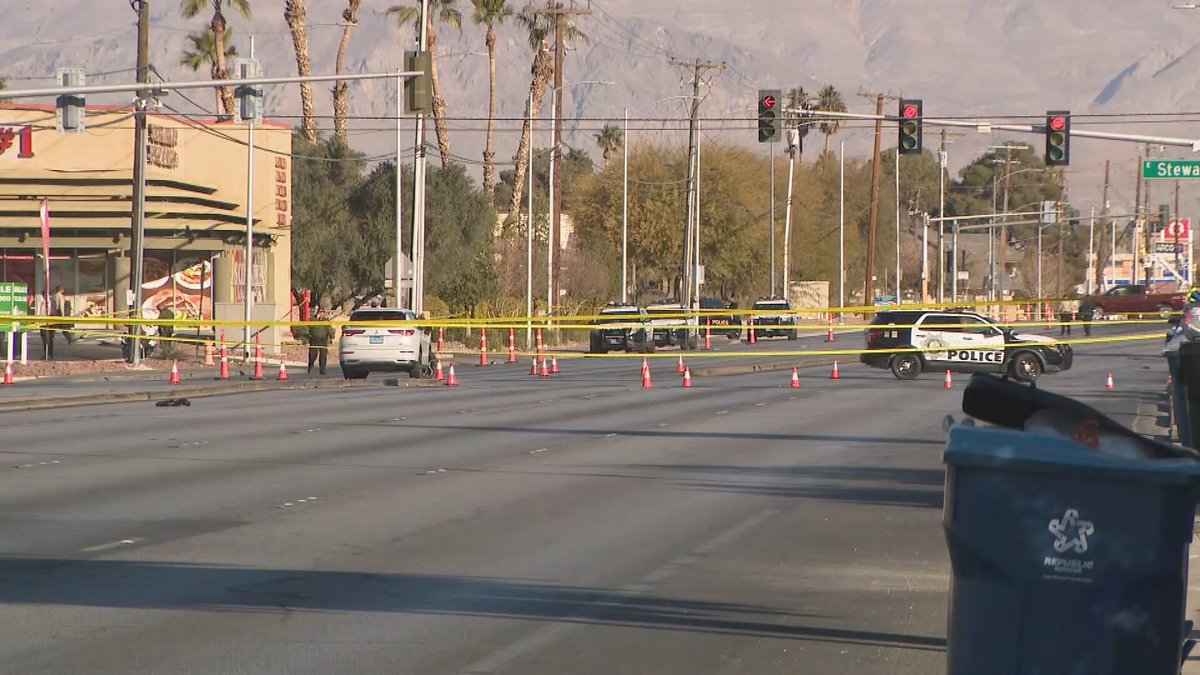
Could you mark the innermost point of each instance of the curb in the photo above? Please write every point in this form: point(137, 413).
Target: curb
point(197, 392)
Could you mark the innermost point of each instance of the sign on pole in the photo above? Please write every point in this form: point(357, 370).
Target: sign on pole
point(1170, 169)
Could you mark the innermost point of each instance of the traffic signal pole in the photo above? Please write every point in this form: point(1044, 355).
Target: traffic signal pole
point(138, 211)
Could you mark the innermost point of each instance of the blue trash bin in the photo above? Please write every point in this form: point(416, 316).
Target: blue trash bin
point(1065, 561)
point(1179, 407)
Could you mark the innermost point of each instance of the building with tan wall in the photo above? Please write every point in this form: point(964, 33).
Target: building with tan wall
point(195, 224)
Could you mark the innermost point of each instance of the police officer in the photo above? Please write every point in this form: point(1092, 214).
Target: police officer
point(319, 337)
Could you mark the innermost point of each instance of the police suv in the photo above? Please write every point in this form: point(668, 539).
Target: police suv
point(963, 342)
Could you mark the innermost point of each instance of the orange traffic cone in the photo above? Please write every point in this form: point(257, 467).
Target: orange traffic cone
point(646, 383)
point(687, 378)
point(539, 339)
point(834, 374)
point(483, 360)
point(209, 353)
point(8, 374)
point(545, 371)
point(512, 346)
point(707, 338)
point(795, 378)
point(1049, 316)
point(829, 337)
point(533, 369)
point(451, 378)
point(753, 341)
point(283, 376)
point(224, 375)
point(1108, 383)
point(174, 379)
point(553, 365)
point(441, 339)
point(949, 382)
point(679, 367)
point(438, 375)
point(645, 367)
point(258, 361)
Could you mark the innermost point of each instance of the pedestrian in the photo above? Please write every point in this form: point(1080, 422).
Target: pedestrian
point(319, 338)
point(61, 306)
point(1067, 311)
point(41, 307)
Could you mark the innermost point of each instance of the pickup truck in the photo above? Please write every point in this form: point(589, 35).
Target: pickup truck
point(1132, 299)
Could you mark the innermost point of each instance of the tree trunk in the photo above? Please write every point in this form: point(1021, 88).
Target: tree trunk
point(489, 155)
point(542, 71)
point(294, 13)
point(222, 70)
point(439, 103)
point(340, 89)
point(826, 145)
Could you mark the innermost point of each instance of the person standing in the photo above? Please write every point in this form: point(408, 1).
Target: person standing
point(319, 338)
point(1068, 310)
point(42, 307)
point(61, 306)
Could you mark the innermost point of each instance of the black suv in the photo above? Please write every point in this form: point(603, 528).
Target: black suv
point(728, 324)
point(910, 341)
point(623, 327)
point(773, 318)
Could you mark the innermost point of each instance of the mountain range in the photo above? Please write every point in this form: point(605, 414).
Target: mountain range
point(1004, 59)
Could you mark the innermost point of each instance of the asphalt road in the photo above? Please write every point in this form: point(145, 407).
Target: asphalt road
point(576, 524)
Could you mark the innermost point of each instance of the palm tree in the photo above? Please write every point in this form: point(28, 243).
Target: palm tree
point(830, 99)
point(445, 12)
point(609, 140)
point(798, 98)
point(203, 53)
point(294, 12)
point(220, 29)
point(540, 26)
point(490, 13)
point(340, 104)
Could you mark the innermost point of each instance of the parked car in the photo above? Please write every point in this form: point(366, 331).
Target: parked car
point(671, 327)
point(773, 317)
point(728, 324)
point(962, 342)
point(1132, 299)
point(621, 327)
point(374, 348)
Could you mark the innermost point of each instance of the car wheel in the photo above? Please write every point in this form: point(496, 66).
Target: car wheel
point(906, 366)
point(354, 373)
point(793, 335)
point(733, 335)
point(1026, 367)
point(693, 342)
point(1165, 311)
point(594, 344)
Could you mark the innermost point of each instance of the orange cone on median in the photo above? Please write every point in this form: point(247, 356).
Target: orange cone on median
point(948, 383)
point(687, 378)
point(553, 365)
point(483, 359)
point(438, 375)
point(174, 379)
point(795, 378)
point(545, 368)
point(1108, 383)
point(283, 376)
point(646, 383)
point(451, 378)
point(834, 374)
point(679, 367)
point(512, 346)
point(224, 374)
point(8, 374)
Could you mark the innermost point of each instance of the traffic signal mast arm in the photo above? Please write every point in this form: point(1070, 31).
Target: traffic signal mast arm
point(198, 84)
point(986, 127)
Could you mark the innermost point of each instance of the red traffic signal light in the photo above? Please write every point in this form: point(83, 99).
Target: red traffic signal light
point(768, 119)
point(1058, 138)
point(910, 112)
point(768, 101)
point(909, 141)
point(1058, 123)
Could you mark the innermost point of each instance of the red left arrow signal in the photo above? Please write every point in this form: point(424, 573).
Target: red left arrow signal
point(768, 101)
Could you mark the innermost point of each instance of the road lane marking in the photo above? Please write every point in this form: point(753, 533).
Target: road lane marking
point(546, 635)
point(110, 545)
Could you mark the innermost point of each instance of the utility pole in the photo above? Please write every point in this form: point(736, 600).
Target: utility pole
point(1147, 230)
point(1004, 223)
point(419, 160)
point(1102, 259)
point(1178, 271)
point(1137, 217)
point(560, 14)
point(868, 283)
point(137, 238)
point(699, 68)
point(1058, 278)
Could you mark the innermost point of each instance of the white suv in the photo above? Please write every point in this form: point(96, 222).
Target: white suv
point(378, 346)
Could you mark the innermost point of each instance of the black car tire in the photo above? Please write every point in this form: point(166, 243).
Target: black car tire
point(1164, 311)
point(354, 373)
point(733, 335)
point(793, 335)
point(693, 342)
point(595, 344)
point(1094, 314)
point(906, 366)
point(1025, 367)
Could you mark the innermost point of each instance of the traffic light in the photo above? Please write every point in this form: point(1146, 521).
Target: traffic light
point(69, 108)
point(1164, 217)
point(910, 126)
point(1058, 137)
point(418, 91)
point(768, 115)
point(249, 99)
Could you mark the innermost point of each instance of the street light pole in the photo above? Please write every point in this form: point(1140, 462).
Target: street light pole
point(550, 238)
point(842, 232)
point(529, 238)
point(625, 212)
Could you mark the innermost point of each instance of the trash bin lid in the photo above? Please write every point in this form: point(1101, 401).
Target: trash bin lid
point(1018, 450)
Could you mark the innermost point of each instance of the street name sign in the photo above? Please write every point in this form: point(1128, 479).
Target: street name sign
point(1170, 169)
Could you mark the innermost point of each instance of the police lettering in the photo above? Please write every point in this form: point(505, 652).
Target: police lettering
point(977, 356)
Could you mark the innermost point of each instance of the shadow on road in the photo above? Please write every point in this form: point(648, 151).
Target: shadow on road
point(184, 586)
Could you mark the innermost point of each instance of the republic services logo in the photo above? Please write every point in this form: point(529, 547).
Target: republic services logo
point(1070, 532)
